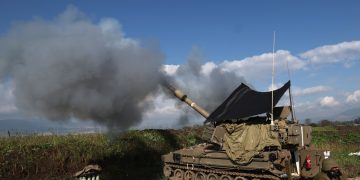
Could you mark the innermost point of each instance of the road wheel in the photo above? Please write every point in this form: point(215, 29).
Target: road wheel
point(226, 177)
point(189, 175)
point(240, 178)
point(212, 176)
point(178, 174)
point(200, 176)
point(167, 171)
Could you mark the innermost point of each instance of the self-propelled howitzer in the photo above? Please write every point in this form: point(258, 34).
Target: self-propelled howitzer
point(242, 144)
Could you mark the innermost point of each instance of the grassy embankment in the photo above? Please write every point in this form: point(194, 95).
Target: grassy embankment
point(341, 141)
point(132, 155)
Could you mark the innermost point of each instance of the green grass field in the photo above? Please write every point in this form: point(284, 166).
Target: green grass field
point(133, 154)
point(341, 141)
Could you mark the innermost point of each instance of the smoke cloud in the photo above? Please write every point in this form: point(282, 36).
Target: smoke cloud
point(72, 67)
point(206, 84)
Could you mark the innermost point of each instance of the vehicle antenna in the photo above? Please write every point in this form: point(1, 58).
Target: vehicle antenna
point(272, 81)
point(293, 115)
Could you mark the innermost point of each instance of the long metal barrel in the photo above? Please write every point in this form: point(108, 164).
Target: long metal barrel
point(183, 97)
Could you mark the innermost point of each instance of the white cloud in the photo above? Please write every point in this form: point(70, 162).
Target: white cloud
point(354, 97)
point(170, 69)
point(207, 68)
point(310, 90)
point(343, 52)
point(257, 66)
point(260, 66)
point(329, 101)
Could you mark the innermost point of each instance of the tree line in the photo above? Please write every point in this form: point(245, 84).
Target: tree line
point(326, 122)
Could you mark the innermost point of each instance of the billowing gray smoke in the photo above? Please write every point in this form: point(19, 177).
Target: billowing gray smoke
point(72, 67)
point(207, 84)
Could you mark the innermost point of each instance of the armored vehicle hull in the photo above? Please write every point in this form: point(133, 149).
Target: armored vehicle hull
point(211, 161)
point(241, 145)
point(206, 161)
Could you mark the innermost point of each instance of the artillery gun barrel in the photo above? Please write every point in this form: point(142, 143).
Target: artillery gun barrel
point(183, 97)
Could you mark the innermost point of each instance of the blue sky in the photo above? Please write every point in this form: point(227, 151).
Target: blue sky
point(230, 32)
point(223, 30)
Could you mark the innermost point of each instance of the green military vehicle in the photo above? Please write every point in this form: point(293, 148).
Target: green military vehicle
point(247, 137)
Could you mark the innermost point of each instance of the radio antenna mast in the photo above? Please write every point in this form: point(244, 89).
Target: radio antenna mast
point(272, 81)
point(293, 115)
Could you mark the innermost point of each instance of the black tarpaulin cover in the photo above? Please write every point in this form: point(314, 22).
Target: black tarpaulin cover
point(245, 102)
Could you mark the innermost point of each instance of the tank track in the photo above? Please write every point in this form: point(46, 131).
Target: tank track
point(247, 175)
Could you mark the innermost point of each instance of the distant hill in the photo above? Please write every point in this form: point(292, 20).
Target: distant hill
point(36, 125)
point(8, 124)
point(348, 115)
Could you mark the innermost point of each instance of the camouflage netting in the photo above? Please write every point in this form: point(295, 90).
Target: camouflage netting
point(242, 142)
